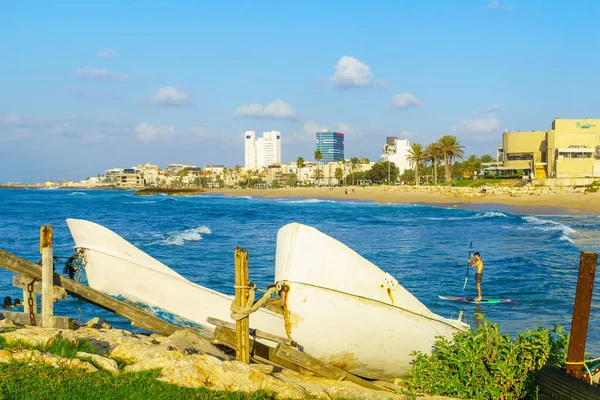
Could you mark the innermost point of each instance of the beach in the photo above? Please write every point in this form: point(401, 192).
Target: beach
point(518, 200)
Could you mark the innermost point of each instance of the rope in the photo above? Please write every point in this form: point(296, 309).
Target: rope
point(240, 312)
point(584, 363)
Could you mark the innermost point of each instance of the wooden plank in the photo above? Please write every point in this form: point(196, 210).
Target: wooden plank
point(319, 367)
point(254, 332)
point(47, 279)
point(23, 318)
point(581, 314)
point(227, 337)
point(142, 318)
point(20, 282)
point(242, 350)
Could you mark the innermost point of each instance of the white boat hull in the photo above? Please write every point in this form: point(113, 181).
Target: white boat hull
point(346, 311)
point(117, 268)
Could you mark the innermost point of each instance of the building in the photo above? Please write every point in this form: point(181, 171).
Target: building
point(571, 149)
point(396, 150)
point(262, 152)
point(176, 168)
point(131, 177)
point(149, 173)
point(331, 146)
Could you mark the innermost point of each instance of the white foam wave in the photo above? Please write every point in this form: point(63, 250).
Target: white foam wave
point(189, 235)
point(74, 193)
point(548, 225)
point(567, 239)
point(486, 214)
point(308, 201)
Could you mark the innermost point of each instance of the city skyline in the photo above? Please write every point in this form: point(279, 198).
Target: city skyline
point(89, 86)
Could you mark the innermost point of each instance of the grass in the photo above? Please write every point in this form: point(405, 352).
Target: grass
point(57, 345)
point(475, 183)
point(23, 381)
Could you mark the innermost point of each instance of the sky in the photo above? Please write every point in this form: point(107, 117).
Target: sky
point(86, 86)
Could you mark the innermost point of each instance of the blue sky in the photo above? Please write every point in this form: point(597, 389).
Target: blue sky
point(87, 86)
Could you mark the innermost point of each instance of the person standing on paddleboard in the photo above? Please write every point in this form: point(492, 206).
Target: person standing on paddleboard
point(477, 262)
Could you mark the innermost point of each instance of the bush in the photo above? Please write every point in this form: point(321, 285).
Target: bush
point(591, 190)
point(485, 364)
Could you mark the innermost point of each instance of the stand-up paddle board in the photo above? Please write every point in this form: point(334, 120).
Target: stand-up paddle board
point(489, 301)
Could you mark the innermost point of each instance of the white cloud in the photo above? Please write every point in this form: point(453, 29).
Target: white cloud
point(481, 125)
point(496, 5)
point(344, 128)
point(405, 100)
point(107, 53)
point(146, 132)
point(171, 96)
point(10, 118)
point(277, 109)
point(350, 72)
point(101, 74)
point(312, 127)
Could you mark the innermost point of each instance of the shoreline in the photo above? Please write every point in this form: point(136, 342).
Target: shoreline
point(553, 203)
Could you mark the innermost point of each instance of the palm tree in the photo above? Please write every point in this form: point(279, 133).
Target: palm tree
point(355, 166)
point(318, 174)
point(433, 153)
point(318, 156)
point(451, 149)
point(238, 173)
point(486, 158)
point(225, 175)
point(339, 174)
point(416, 155)
point(299, 164)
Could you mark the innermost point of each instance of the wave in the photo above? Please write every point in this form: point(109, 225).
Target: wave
point(548, 225)
point(485, 214)
point(567, 239)
point(74, 193)
point(307, 201)
point(179, 238)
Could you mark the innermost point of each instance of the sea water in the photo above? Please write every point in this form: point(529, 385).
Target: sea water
point(533, 259)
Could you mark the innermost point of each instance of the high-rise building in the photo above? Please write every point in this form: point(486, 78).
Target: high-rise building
point(396, 150)
point(331, 145)
point(264, 151)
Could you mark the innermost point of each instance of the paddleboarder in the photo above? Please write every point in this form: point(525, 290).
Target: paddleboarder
point(477, 262)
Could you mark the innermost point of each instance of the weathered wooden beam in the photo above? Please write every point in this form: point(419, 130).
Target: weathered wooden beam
point(21, 283)
point(47, 271)
point(242, 350)
point(142, 318)
point(261, 352)
point(254, 332)
point(23, 318)
point(319, 367)
point(581, 314)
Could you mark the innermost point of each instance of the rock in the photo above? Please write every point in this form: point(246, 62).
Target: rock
point(190, 342)
point(98, 323)
point(9, 324)
point(105, 363)
point(23, 355)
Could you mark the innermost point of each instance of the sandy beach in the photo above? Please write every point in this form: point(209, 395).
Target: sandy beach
point(524, 200)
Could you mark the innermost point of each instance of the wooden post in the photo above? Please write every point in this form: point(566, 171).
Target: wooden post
point(581, 314)
point(242, 326)
point(47, 275)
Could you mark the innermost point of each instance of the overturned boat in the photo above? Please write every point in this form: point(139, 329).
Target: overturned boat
point(337, 306)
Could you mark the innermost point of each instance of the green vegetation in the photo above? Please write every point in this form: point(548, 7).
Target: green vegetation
point(23, 381)
point(485, 364)
point(57, 345)
point(591, 190)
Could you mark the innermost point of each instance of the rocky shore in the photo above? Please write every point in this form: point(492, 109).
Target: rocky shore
point(186, 358)
point(169, 191)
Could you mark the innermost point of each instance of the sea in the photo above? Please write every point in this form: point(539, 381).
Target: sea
point(533, 259)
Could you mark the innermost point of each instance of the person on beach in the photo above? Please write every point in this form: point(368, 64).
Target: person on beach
point(477, 262)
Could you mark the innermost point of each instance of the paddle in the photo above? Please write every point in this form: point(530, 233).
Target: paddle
point(467, 274)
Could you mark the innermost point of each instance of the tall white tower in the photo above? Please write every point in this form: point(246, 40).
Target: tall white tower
point(264, 151)
point(250, 146)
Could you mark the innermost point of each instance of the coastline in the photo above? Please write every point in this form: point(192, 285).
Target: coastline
point(526, 202)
